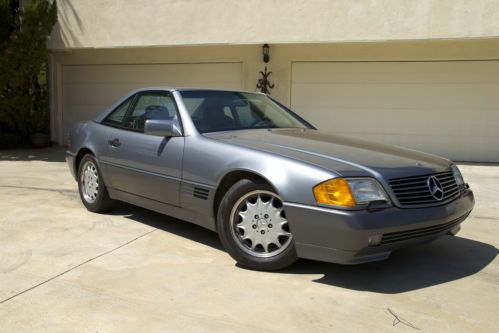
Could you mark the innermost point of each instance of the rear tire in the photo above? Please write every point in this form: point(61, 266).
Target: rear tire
point(93, 191)
point(253, 228)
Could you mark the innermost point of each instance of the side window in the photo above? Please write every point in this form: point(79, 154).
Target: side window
point(116, 117)
point(150, 105)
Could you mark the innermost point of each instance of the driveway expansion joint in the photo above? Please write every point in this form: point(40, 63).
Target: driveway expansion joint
point(74, 267)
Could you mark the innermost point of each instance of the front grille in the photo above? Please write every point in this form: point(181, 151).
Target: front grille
point(400, 236)
point(414, 191)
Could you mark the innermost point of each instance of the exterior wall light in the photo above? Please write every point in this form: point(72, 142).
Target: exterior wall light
point(266, 53)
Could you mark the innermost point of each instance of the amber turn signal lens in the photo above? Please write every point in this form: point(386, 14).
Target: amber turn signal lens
point(334, 192)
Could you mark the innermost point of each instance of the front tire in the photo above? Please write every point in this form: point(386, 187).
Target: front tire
point(253, 228)
point(93, 192)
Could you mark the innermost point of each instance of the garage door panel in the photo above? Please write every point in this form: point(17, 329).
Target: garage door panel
point(401, 96)
point(83, 94)
point(102, 93)
point(403, 72)
point(447, 108)
point(89, 89)
point(217, 72)
point(451, 145)
point(78, 113)
point(418, 121)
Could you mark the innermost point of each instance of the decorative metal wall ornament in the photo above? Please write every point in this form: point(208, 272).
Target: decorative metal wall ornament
point(264, 84)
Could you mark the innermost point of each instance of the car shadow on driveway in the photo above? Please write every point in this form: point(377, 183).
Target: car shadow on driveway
point(169, 224)
point(444, 260)
point(447, 259)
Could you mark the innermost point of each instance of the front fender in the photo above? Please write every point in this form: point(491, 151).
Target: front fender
point(207, 161)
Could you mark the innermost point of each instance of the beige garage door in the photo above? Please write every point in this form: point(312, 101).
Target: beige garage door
point(446, 108)
point(89, 89)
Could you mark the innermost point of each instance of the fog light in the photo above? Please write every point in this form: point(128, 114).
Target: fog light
point(374, 240)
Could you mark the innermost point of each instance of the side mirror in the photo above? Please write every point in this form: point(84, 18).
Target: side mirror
point(164, 128)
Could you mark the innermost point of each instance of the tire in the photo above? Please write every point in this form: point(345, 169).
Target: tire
point(250, 222)
point(95, 196)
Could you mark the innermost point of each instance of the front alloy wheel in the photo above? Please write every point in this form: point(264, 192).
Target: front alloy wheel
point(259, 224)
point(253, 227)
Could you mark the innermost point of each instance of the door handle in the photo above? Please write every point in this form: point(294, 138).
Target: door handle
point(114, 143)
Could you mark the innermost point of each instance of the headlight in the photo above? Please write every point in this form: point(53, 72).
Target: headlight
point(457, 175)
point(366, 190)
point(349, 192)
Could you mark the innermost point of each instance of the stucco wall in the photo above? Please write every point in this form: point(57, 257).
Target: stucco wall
point(139, 23)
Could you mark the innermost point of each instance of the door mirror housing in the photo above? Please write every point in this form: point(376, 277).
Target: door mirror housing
point(164, 128)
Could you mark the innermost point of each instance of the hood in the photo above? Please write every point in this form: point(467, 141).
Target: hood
point(343, 155)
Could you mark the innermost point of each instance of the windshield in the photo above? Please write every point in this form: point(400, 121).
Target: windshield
point(213, 111)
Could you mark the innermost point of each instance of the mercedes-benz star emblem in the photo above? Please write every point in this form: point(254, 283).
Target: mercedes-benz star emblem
point(435, 188)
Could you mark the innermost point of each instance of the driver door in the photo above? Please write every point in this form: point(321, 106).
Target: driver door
point(146, 165)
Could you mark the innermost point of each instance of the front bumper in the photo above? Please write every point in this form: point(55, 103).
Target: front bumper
point(343, 236)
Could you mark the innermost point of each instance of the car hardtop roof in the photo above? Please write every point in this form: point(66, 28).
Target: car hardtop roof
point(100, 117)
point(171, 89)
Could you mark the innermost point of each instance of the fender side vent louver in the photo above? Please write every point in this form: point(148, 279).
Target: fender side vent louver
point(201, 193)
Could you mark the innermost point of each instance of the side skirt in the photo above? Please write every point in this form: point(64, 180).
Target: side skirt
point(163, 208)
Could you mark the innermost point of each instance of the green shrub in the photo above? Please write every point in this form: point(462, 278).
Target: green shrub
point(8, 140)
point(23, 63)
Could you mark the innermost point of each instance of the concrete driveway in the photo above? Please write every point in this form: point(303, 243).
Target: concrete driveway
point(63, 269)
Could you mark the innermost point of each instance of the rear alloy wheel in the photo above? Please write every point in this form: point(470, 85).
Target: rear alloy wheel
point(90, 182)
point(93, 192)
point(253, 227)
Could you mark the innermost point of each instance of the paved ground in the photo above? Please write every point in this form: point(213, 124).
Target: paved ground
point(63, 269)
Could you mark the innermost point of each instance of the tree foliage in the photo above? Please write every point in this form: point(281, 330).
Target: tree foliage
point(23, 64)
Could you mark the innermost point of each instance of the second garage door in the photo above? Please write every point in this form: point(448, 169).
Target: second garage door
point(446, 108)
point(89, 89)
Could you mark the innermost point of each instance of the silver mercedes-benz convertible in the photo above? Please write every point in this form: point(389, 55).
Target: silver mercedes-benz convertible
point(268, 182)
